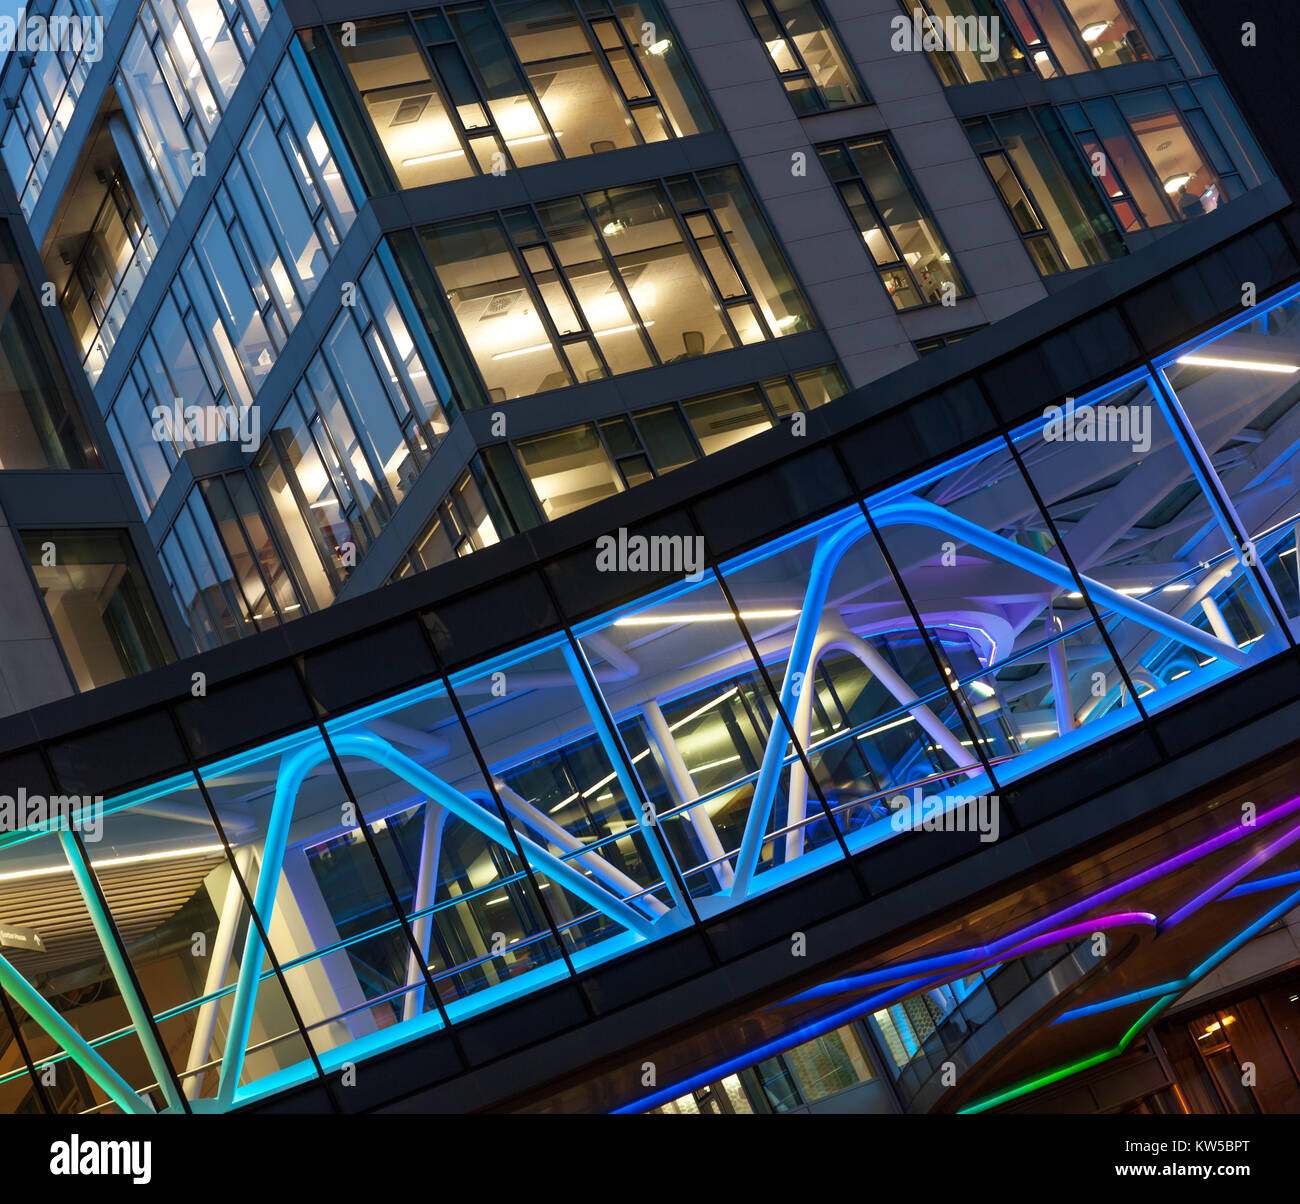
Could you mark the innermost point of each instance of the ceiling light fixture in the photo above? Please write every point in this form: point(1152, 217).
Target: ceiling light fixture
point(1176, 181)
point(1092, 32)
point(1218, 361)
point(701, 617)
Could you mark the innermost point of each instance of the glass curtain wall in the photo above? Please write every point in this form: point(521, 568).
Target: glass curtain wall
point(40, 113)
point(481, 88)
point(179, 70)
point(259, 254)
point(582, 288)
point(525, 810)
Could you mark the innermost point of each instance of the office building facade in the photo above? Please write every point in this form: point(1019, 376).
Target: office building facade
point(552, 509)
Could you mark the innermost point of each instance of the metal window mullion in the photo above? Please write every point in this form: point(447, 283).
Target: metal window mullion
point(701, 265)
point(254, 921)
point(1221, 503)
point(533, 289)
point(502, 815)
point(616, 278)
point(615, 747)
point(368, 837)
point(949, 681)
point(463, 135)
point(779, 717)
point(248, 549)
point(521, 75)
point(1116, 659)
point(562, 279)
point(304, 510)
point(252, 548)
point(38, 1088)
point(327, 439)
point(199, 593)
point(611, 76)
point(716, 226)
point(200, 56)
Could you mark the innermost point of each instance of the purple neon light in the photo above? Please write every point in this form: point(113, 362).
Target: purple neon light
point(999, 948)
point(1267, 853)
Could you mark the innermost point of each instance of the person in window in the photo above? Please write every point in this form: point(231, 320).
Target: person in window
point(1189, 204)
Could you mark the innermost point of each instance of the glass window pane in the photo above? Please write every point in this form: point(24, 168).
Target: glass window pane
point(496, 312)
point(389, 70)
point(676, 304)
point(100, 603)
point(726, 418)
point(569, 469)
point(584, 108)
point(665, 64)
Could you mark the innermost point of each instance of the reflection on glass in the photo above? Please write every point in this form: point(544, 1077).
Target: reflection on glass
point(100, 604)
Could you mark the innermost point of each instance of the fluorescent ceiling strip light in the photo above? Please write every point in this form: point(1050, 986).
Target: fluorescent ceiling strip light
point(113, 862)
point(701, 617)
point(1217, 361)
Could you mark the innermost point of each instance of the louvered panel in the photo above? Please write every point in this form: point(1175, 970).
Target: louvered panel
point(141, 898)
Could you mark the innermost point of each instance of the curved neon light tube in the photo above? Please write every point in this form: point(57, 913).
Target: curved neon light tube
point(827, 1024)
point(294, 768)
point(33, 1002)
point(831, 549)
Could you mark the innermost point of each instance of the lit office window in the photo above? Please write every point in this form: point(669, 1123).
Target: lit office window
point(100, 604)
point(312, 491)
point(39, 423)
point(1080, 34)
point(911, 258)
point(572, 468)
point(360, 426)
point(257, 568)
point(107, 275)
point(814, 1070)
point(180, 68)
point(480, 88)
point(974, 54)
point(807, 55)
point(569, 469)
point(205, 585)
point(586, 287)
point(1158, 155)
point(39, 114)
point(461, 525)
point(726, 1097)
point(1051, 198)
point(990, 39)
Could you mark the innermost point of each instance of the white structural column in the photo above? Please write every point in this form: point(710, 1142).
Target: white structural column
point(566, 842)
point(426, 887)
point(218, 964)
point(834, 635)
point(683, 786)
point(1060, 670)
point(1218, 624)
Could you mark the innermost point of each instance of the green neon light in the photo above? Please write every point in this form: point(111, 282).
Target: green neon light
point(1055, 1076)
point(1142, 1021)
